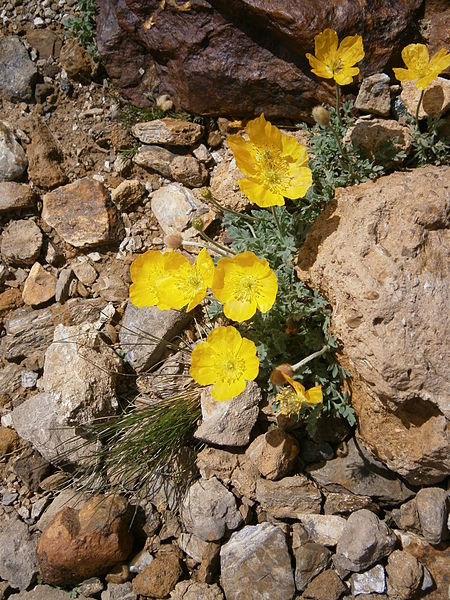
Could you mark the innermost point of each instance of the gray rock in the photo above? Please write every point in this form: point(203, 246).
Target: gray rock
point(145, 331)
point(407, 517)
point(170, 132)
point(15, 196)
point(288, 497)
point(188, 171)
point(310, 560)
point(404, 573)
point(229, 423)
point(209, 510)
point(155, 158)
point(372, 581)
point(323, 529)
point(192, 545)
point(11, 382)
point(374, 95)
point(90, 587)
point(345, 504)
point(13, 160)
point(174, 207)
point(46, 592)
point(359, 473)
point(31, 468)
point(65, 278)
point(18, 558)
point(17, 72)
point(364, 541)
point(194, 590)
point(255, 565)
point(432, 508)
point(119, 591)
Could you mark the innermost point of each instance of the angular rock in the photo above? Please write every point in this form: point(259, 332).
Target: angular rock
point(18, 562)
point(310, 560)
point(168, 132)
point(84, 543)
point(67, 498)
point(394, 273)
point(322, 529)
point(122, 591)
point(81, 214)
point(15, 196)
point(113, 281)
point(90, 587)
point(209, 510)
point(188, 171)
point(288, 497)
point(76, 61)
point(155, 158)
point(174, 207)
point(407, 517)
point(44, 157)
point(229, 423)
point(193, 590)
point(273, 453)
point(255, 564)
point(31, 468)
point(10, 299)
point(46, 592)
point(374, 95)
point(432, 509)
point(9, 441)
point(364, 541)
point(224, 184)
point(372, 581)
point(21, 243)
point(144, 349)
point(345, 504)
point(17, 72)
point(160, 577)
point(218, 463)
point(13, 160)
point(326, 586)
point(85, 272)
point(192, 545)
point(435, 102)
point(45, 41)
point(404, 575)
point(40, 286)
point(127, 193)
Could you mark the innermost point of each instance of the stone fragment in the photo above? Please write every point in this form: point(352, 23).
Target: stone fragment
point(31, 468)
point(380, 140)
point(326, 586)
point(90, 587)
point(140, 561)
point(188, 171)
point(85, 272)
point(323, 529)
point(192, 545)
point(155, 158)
point(76, 61)
point(18, 563)
point(404, 575)
point(218, 463)
point(168, 132)
point(432, 509)
point(345, 504)
point(194, 590)
point(372, 581)
point(310, 560)
point(46, 592)
point(84, 543)
point(436, 98)
point(15, 196)
point(13, 160)
point(81, 214)
point(255, 563)
point(40, 286)
point(209, 510)
point(273, 453)
point(127, 193)
point(17, 72)
point(142, 349)
point(160, 577)
point(288, 497)
point(21, 243)
point(224, 184)
point(174, 207)
point(44, 157)
point(364, 541)
point(9, 441)
point(374, 95)
point(229, 423)
point(406, 516)
point(46, 42)
point(202, 154)
point(10, 299)
point(122, 591)
point(63, 285)
point(67, 498)
point(383, 290)
point(113, 281)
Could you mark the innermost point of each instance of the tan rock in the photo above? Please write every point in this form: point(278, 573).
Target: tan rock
point(188, 171)
point(21, 243)
point(40, 286)
point(10, 299)
point(374, 95)
point(436, 99)
point(224, 184)
point(404, 575)
point(9, 440)
point(85, 543)
point(326, 586)
point(274, 453)
point(168, 132)
point(160, 577)
point(127, 193)
point(15, 196)
point(379, 253)
point(81, 214)
point(44, 158)
point(76, 61)
point(288, 497)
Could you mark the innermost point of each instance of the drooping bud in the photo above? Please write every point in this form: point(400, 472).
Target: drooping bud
point(173, 240)
point(321, 116)
point(277, 377)
point(197, 223)
point(206, 193)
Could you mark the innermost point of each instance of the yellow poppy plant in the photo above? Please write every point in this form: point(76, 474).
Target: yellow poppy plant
point(274, 163)
point(291, 399)
point(336, 61)
point(226, 360)
point(419, 65)
point(243, 284)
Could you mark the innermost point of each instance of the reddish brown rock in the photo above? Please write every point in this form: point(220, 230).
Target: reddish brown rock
point(240, 57)
point(84, 543)
point(10, 299)
point(273, 453)
point(160, 577)
point(44, 158)
point(76, 61)
point(40, 286)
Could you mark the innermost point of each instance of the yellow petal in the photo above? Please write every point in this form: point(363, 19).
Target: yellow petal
point(351, 50)
point(273, 136)
point(146, 264)
point(248, 353)
point(259, 194)
point(345, 76)
point(314, 395)
point(301, 178)
point(223, 391)
point(224, 340)
point(319, 68)
point(294, 151)
point(326, 44)
point(415, 57)
point(404, 74)
point(240, 310)
point(141, 295)
point(440, 61)
point(267, 292)
point(256, 129)
point(219, 288)
point(205, 267)
point(242, 154)
point(203, 364)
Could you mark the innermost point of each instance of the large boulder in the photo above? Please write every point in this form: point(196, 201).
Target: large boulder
point(380, 254)
point(240, 57)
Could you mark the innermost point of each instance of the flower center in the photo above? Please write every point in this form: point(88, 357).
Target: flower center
point(271, 167)
point(246, 287)
point(232, 369)
point(289, 401)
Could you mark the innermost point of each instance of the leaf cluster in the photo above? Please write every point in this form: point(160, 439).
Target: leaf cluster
point(84, 27)
point(427, 146)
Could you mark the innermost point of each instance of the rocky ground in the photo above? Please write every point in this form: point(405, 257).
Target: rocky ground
point(273, 514)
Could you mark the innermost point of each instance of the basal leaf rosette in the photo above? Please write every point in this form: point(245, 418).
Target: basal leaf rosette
point(226, 361)
point(244, 284)
point(274, 163)
point(336, 61)
point(419, 65)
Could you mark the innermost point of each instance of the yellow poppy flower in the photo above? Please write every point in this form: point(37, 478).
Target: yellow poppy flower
point(275, 164)
point(185, 283)
point(146, 272)
point(290, 400)
point(333, 61)
point(420, 66)
point(225, 360)
point(243, 284)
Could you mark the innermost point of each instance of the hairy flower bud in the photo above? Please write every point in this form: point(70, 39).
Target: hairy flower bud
point(277, 377)
point(321, 116)
point(198, 224)
point(173, 240)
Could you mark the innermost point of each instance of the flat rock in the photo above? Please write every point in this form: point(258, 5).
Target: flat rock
point(17, 72)
point(39, 287)
point(174, 207)
point(256, 565)
point(194, 590)
point(46, 592)
point(404, 575)
point(273, 453)
point(81, 214)
point(310, 560)
point(127, 193)
point(155, 158)
point(18, 561)
point(168, 132)
point(15, 196)
point(159, 578)
point(21, 243)
point(432, 509)
point(326, 586)
point(394, 272)
point(44, 158)
point(13, 160)
point(372, 581)
point(229, 423)
point(188, 171)
point(435, 102)
point(374, 95)
point(322, 529)
point(288, 497)
point(119, 591)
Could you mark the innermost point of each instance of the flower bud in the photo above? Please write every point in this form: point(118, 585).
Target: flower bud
point(206, 193)
point(277, 377)
point(321, 116)
point(197, 223)
point(173, 240)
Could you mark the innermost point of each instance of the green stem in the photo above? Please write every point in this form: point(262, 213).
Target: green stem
point(208, 196)
point(418, 108)
point(309, 358)
point(338, 104)
point(275, 216)
point(223, 249)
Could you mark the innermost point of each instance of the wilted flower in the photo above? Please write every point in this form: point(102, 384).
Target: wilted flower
point(225, 360)
point(243, 284)
point(420, 66)
point(146, 271)
point(278, 375)
point(321, 116)
point(336, 62)
point(291, 399)
point(275, 164)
